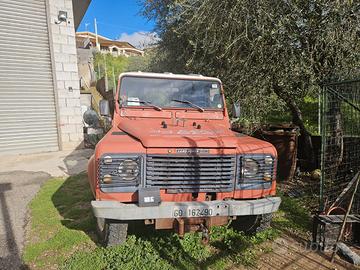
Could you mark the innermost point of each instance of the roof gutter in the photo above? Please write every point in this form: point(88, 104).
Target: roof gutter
point(79, 10)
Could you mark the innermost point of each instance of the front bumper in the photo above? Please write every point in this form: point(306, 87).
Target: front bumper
point(122, 211)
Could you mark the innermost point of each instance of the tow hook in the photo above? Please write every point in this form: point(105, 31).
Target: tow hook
point(205, 234)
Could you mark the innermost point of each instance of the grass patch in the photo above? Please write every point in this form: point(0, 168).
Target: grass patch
point(164, 250)
point(61, 222)
point(63, 236)
point(293, 216)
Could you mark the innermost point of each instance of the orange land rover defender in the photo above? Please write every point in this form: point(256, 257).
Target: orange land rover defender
point(170, 160)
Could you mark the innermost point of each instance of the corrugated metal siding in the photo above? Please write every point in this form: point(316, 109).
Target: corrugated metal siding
point(27, 104)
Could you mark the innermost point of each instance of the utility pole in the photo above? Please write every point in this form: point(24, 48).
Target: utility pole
point(96, 36)
point(114, 81)
point(106, 75)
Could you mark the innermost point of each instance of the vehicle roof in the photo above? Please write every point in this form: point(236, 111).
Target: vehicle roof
point(169, 76)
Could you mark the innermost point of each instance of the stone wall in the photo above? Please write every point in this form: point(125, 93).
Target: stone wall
point(67, 87)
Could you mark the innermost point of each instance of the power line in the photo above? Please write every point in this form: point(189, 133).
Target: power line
point(120, 27)
point(140, 32)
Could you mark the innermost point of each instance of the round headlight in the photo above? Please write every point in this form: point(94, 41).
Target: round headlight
point(128, 169)
point(251, 167)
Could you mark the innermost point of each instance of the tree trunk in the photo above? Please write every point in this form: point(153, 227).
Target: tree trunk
point(297, 119)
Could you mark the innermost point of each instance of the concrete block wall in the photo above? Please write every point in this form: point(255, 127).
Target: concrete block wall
point(67, 87)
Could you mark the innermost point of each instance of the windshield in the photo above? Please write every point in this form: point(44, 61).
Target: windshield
point(175, 93)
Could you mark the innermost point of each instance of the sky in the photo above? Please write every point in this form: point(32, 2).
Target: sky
point(119, 19)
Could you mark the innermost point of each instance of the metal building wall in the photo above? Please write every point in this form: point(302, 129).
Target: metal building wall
point(27, 104)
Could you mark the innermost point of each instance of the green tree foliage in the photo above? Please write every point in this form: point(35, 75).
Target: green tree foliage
point(112, 66)
point(268, 53)
point(140, 63)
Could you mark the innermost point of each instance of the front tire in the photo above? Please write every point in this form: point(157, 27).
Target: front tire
point(252, 224)
point(111, 232)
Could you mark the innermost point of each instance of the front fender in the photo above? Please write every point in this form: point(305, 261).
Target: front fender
point(92, 174)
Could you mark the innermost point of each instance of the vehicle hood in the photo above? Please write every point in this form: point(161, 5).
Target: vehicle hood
point(151, 134)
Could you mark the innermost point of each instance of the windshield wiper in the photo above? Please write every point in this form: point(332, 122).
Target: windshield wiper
point(147, 103)
point(189, 103)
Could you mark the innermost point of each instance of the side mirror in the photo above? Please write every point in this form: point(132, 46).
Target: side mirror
point(236, 110)
point(104, 107)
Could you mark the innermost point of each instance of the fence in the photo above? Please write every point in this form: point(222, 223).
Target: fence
point(340, 131)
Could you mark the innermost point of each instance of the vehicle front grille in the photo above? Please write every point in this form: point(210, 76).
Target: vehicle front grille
point(180, 174)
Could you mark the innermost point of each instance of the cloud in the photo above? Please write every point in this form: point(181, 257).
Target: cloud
point(140, 39)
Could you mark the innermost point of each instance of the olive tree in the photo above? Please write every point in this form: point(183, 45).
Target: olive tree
point(268, 53)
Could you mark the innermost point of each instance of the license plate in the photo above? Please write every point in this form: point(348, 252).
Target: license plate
point(193, 212)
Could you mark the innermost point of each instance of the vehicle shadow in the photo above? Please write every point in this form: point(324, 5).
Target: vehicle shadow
point(190, 252)
point(72, 201)
point(166, 243)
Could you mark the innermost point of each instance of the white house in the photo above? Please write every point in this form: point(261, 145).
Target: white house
point(106, 45)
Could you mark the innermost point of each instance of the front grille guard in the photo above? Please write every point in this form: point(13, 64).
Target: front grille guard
point(236, 181)
point(257, 182)
point(117, 185)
